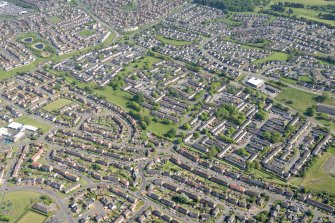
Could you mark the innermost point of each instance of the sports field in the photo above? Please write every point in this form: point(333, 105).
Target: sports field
point(172, 41)
point(276, 56)
point(32, 217)
point(14, 204)
point(28, 120)
point(55, 105)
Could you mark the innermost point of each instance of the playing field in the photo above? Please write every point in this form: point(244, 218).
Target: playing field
point(274, 57)
point(54, 19)
point(306, 12)
point(28, 120)
point(320, 176)
point(86, 32)
point(14, 204)
point(300, 100)
point(55, 105)
point(32, 217)
point(309, 2)
point(172, 41)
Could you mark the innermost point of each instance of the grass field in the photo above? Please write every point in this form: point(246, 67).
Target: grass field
point(172, 41)
point(55, 105)
point(54, 19)
point(86, 32)
point(309, 2)
point(317, 178)
point(307, 13)
point(28, 120)
point(7, 74)
point(300, 100)
point(32, 217)
point(159, 128)
point(119, 97)
point(14, 204)
point(274, 56)
point(305, 79)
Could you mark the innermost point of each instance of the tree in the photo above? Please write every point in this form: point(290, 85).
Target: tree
point(139, 97)
point(310, 112)
point(171, 133)
point(242, 152)
point(261, 115)
point(186, 126)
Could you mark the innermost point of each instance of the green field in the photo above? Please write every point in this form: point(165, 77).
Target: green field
point(317, 178)
point(54, 19)
point(32, 217)
point(86, 32)
point(300, 100)
point(305, 79)
point(118, 97)
point(7, 74)
point(14, 204)
point(309, 2)
point(55, 105)
point(172, 41)
point(273, 57)
point(28, 120)
point(307, 13)
point(159, 128)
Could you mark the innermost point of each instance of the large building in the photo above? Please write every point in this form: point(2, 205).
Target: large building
point(326, 109)
point(255, 82)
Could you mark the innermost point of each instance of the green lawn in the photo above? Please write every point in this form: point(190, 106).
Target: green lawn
point(86, 32)
point(305, 12)
point(288, 80)
point(119, 97)
point(273, 57)
point(14, 204)
point(305, 79)
point(300, 100)
point(7, 74)
point(172, 41)
point(309, 2)
point(32, 217)
point(159, 128)
point(317, 178)
point(28, 120)
point(55, 105)
point(54, 19)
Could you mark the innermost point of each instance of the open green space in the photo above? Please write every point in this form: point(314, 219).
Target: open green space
point(306, 12)
point(86, 32)
point(298, 99)
point(160, 129)
point(172, 41)
point(288, 80)
point(119, 97)
point(274, 57)
point(28, 120)
point(305, 79)
point(317, 178)
point(54, 19)
point(40, 47)
point(308, 2)
point(32, 217)
point(14, 204)
point(7, 74)
point(55, 105)
point(55, 58)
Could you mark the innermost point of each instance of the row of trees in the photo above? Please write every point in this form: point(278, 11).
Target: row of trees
point(233, 5)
